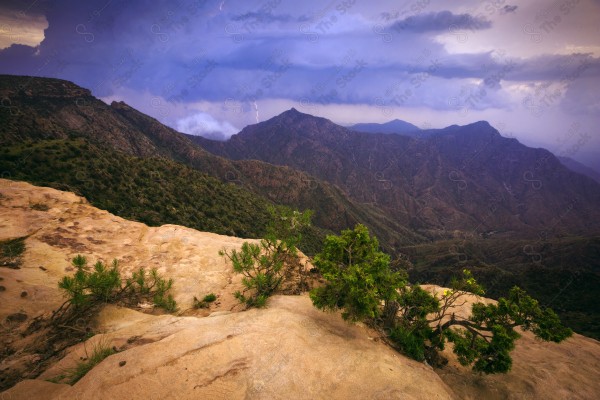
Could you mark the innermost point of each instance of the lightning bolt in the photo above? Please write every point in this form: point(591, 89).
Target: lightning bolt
point(256, 108)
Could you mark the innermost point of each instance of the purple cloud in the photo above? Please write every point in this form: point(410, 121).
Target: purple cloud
point(441, 21)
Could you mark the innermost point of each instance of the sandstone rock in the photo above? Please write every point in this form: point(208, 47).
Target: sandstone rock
point(288, 350)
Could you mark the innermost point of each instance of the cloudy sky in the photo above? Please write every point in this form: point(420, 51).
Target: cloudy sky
point(211, 67)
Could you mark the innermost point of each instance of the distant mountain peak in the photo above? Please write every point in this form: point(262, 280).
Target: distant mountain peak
point(481, 128)
point(482, 123)
point(293, 117)
point(396, 126)
point(293, 112)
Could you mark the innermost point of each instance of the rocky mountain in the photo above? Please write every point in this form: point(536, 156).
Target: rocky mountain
point(395, 126)
point(44, 110)
point(287, 350)
point(465, 180)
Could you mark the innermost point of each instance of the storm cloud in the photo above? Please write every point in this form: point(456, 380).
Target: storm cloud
point(207, 67)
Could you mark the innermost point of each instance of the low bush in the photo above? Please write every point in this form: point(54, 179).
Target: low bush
point(89, 288)
point(205, 302)
point(267, 265)
point(100, 351)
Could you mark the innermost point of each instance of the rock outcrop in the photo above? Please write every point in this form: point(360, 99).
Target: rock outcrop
point(289, 350)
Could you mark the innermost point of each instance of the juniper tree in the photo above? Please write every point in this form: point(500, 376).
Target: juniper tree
point(361, 284)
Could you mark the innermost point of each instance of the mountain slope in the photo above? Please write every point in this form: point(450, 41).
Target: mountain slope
point(461, 178)
point(290, 186)
point(153, 190)
point(578, 167)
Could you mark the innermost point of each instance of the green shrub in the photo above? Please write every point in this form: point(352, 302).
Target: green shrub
point(409, 342)
point(265, 266)
point(167, 303)
point(209, 298)
point(88, 288)
point(99, 353)
point(358, 276)
point(144, 286)
point(205, 302)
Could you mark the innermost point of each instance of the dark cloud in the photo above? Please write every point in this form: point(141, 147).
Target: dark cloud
point(263, 17)
point(441, 21)
point(25, 7)
point(185, 54)
point(508, 9)
point(17, 58)
point(559, 68)
point(105, 45)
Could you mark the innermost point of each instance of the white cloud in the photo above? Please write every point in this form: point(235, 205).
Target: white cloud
point(203, 124)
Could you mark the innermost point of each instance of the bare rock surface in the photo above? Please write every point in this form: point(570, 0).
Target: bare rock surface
point(289, 350)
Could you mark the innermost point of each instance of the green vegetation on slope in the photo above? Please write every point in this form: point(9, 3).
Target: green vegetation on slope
point(151, 190)
point(52, 109)
point(99, 353)
point(561, 273)
point(92, 287)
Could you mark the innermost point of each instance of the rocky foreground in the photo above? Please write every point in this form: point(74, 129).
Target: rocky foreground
point(288, 350)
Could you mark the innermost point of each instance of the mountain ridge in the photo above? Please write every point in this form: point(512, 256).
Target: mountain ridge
point(511, 213)
point(443, 168)
point(395, 126)
point(580, 168)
